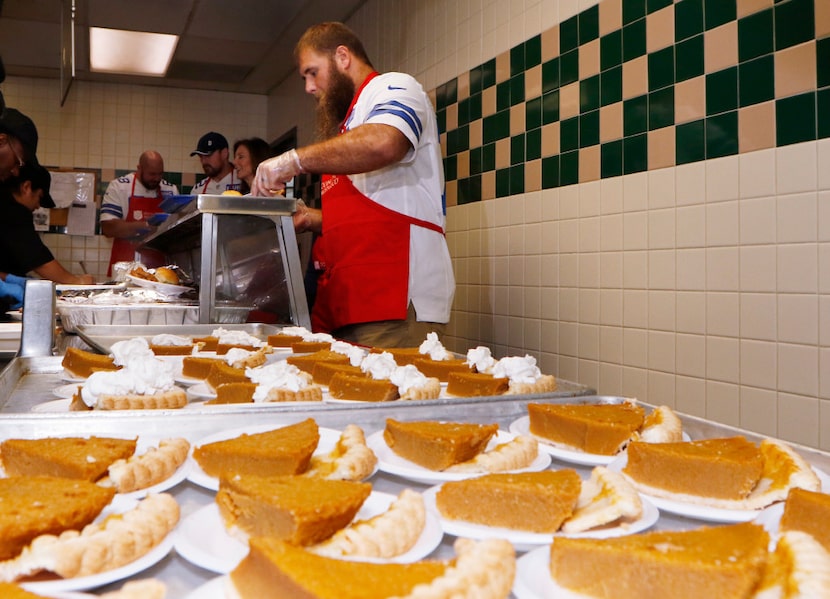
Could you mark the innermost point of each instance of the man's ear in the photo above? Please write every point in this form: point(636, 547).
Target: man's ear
point(342, 57)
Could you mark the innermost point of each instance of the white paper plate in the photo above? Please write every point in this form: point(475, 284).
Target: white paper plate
point(212, 589)
point(200, 390)
point(526, 540)
point(163, 288)
point(66, 391)
point(328, 440)
point(203, 540)
point(276, 405)
point(533, 580)
point(392, 463)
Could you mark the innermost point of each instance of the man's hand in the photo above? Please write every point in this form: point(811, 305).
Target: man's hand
point(274, 173)
point(13, 287)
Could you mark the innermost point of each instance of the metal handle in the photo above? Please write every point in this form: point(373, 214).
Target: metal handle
point(38, 335)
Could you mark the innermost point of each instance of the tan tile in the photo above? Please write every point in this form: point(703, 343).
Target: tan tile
point(533, 175)
point(756, 127)
point(661, 148)
point(690, 100)
point(464, 85)
point(660, 29)
point(533, 82)
point(610, 16)
point(550, 140)
point(452, 117)
point(432, 95)
point(822, 19)
point(463, 164)
point(795, 70)
point(589, 164)
point(611, 122)
point(488, 185)
point(488, 101)
point(476, 136)
point(452, 193)
point(720, 47)
point(635, 77)
point(443, 140)
point(747, 7)
point(517, 119)
point(569, 101)
point(550, 43)
point(503, 153)
point(502, 67)
point(589, 59)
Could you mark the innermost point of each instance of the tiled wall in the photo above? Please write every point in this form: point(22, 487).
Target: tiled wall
point(106, 127)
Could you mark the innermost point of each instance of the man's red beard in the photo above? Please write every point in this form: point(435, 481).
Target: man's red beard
point(333, 105)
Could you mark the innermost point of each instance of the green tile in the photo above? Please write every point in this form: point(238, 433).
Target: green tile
point(473, 191)
point(503, 95)
point(755, 35)
point(569, 67)
point(464, 111)
point(610, 50)
point(475, 80)
point(569, 134)
point(756, 81)
point(610, 157)
point(451, 168)
point(476, 167)
point(823, 112)
point(635, 115)
point(475, 107)
point(633, 10)
point(610, 86)
point(689, 59)
point(441, 119)
point(458, 140)
point(517, 89)
point(795, 119)
point(533, 113)
point(463, 191)
point(550, 108)
point(496, 126)
point(718, 12)
point(823, 62)
point(517, 149)
point(517, 179)
point(690, 142)
point(533, 144)
point(502, 182)
point(722, 91)
point(517, 59)
point(451, 91)
point(635, 154)
point(722, 135)
point(569, 34)
point(488, 158)
point(588, 25)
point(550, 75)
point(688, 19)
point(634, 40)
point(661, 68)
point(550, 172)
point(488, 74)
point(661, 108)
point(533, 51)
point(795, 22)
point(655, 5)
point(589, 94)
point(441, 96)
point(569, 168)
point(589, 129)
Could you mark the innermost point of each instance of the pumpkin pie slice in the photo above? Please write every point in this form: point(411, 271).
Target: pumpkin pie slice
point(302, 510)
point(808, 511)
point(359, 387)
point(437, 445)
point(272, 568)
point(68, 457)
point(783, 470)
point(285, 450)
point(441, 369)
point(222, 373)
point(82, 363)
point(799, 568)
point(476, 384)
point(306, 362)
point(31, 506)
point(727, 562)
point(322, 372)
point(198, 367)
point(602, 429)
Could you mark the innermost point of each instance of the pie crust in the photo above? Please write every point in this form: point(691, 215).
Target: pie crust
point(799, 569)
point(431, 389)
point(351, 458)
point(515, 454)
point(660, 426)
point(171, 399)
point(437, 445)
point(545, 384)
point(808, 511)
point(149, 468)
point(149, 588)
point(605, 498)
point(85, 458)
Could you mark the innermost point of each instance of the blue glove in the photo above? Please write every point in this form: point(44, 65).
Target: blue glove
point(13, 288)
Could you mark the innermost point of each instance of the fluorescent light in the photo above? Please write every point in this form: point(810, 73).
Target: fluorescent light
point(130, 52)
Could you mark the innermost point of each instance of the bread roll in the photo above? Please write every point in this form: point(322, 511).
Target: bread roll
point(167, 275)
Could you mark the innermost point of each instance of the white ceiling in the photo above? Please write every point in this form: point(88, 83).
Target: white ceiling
point(228, 45)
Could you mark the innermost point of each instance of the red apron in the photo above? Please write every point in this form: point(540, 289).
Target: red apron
point(364, 256)
point(138, 208)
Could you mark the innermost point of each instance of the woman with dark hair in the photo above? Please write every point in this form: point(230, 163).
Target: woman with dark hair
point(247, 154)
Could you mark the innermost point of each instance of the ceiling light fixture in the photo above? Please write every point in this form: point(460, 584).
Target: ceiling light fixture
point(130, 52)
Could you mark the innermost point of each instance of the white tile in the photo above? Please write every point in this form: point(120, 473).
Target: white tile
point(824, 425)
point(635, 347)
point(589, 306)
point(723, 403)
point(798, 268)
point(610, 232)
point(589, 234)
point(611, 307)
point(691, 312)
point(797, 218)
point(589, 199)
point(722, 269)
point(635, 231)
point(823, 159)
point(610, 379)
point(798, 318)
point(661, 228)
point(569, 202)
point(661, 351)
point(691, 226)
point(759, 316)
point(635, 308)
point(722, 224)
point(798, 369)
point(662, 269)
point(824, 373)
point(824, 268)
point(798, 419)
point(691, 355)
point(610, 344)
point(722, 363)
point(569, 339)
point(824, 321)
point(588, 342)
point(691, 396)
point(569, 270)
point(759, 411)
point(635, 270)
point(569, 304)
point(796, 168)
point(661, 310)
point(661, 388)
point(611, 195)
point(661, 188)
point(569, 235)
point(758, 364)
point(722, 178)
point(610, 269)
point(691, 184)
point(635, 192)
point(722, 314)
point(758, 272)
point(758, 220)
point(589, 270)
point(757, 173)
point(635, 383)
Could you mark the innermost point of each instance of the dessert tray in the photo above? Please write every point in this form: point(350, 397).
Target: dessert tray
point(163, 288)
point(533, 579)
point(392, 463)
point(525, 540)
point(203, 540)
point(328, 439)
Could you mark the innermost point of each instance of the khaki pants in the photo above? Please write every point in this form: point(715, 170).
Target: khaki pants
point(390, 333)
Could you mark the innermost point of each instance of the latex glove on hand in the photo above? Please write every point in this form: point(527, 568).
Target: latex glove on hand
point(274, 173)
point(13, 288)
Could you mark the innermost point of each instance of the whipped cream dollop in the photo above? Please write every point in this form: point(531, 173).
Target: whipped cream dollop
point(434, 348)
point(227, 337)
point(140, 376)
point(172, 340)
point(518, 369)
point(298, 331)
point(129, 350)
point(237, 353)
point(319, 337)
point(279, 375)
point(354, 353)
point(407, 377)
point(379, 366)
point(480, 358)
